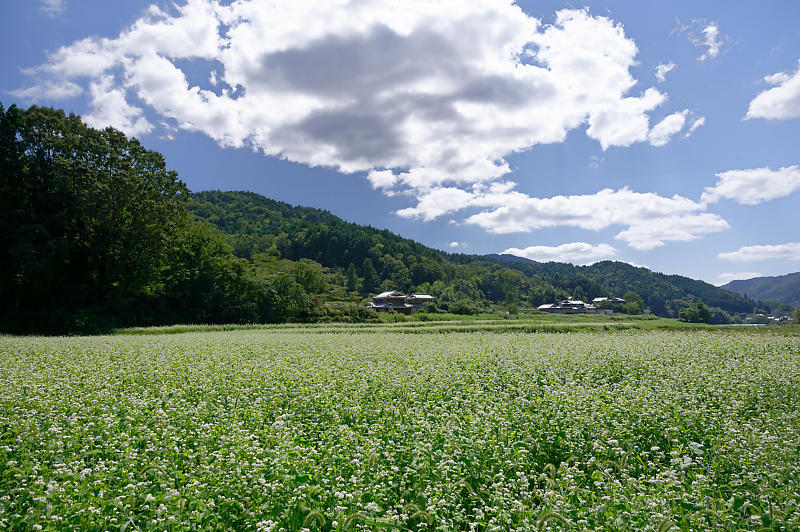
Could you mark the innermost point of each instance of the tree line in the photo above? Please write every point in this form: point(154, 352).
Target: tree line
point(96, 233)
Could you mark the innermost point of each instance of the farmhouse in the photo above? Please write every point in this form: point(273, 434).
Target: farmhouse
point(568, 306)
point(394, 301)
point(606, 305)
point(608, 300)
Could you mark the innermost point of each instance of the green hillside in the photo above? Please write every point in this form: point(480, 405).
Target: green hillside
point(661, 292)
point(782, 288)
point(256, 225)
point(97, 233)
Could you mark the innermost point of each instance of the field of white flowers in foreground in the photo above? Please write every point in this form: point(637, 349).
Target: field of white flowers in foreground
point(276, 430)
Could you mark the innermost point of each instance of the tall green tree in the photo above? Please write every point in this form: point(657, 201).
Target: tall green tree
point(698, 313)
point(309, 274)
point(397, 272)
point(578, 293)
point(85, 215)
point(371, 279)
point(352, 278)
point(657, 304)
point(203, 282)
point(634, 304)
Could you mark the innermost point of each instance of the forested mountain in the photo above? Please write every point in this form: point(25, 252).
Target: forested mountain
point(661, 292)
point(96, 233)
point(255, 224)
point(782, 288)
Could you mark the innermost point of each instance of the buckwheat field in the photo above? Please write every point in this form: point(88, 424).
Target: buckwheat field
point(322, 430)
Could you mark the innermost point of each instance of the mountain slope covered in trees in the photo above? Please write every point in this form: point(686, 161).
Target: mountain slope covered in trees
point(661, 292)
point(782, 288)
point(255, 224)
point(96, 233)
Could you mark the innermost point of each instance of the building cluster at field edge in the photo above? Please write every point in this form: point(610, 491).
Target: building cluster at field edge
point(603, 305)
point(394, 301)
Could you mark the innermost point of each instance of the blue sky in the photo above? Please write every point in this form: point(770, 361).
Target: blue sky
point(663, 134)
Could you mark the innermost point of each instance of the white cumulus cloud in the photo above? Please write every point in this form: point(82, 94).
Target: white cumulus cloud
point(703, 34)
point(573, 252)
point(663, 69)
point(650, 220)
point(669, 126)
point(50, 89)
point(788, 251)
point(697, 122)
point(436, 92)
point(53, 8)
point(754, 186)
point(712, 40)
point(653, 233)
point(780, 102)
point(110, 108)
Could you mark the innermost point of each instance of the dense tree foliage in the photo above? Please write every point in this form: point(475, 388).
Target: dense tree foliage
point(371, 280)
point(634, 304)
point(95, 232)
point(258, 224)
point(86, 215)
point(664, 294)
point(698, 313)
point(461, 283)
point(353, 283)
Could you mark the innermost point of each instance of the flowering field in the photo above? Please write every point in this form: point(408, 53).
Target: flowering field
point(271, 430)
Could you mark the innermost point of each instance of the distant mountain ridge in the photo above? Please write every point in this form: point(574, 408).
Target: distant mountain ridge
point(255, 224)
point(505, 257)
point(657, 289)
point(780, 288)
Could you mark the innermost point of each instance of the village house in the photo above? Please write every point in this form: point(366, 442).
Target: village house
point(568, 306)
point(394, 301)
point(606, 305)
point(608, 300)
